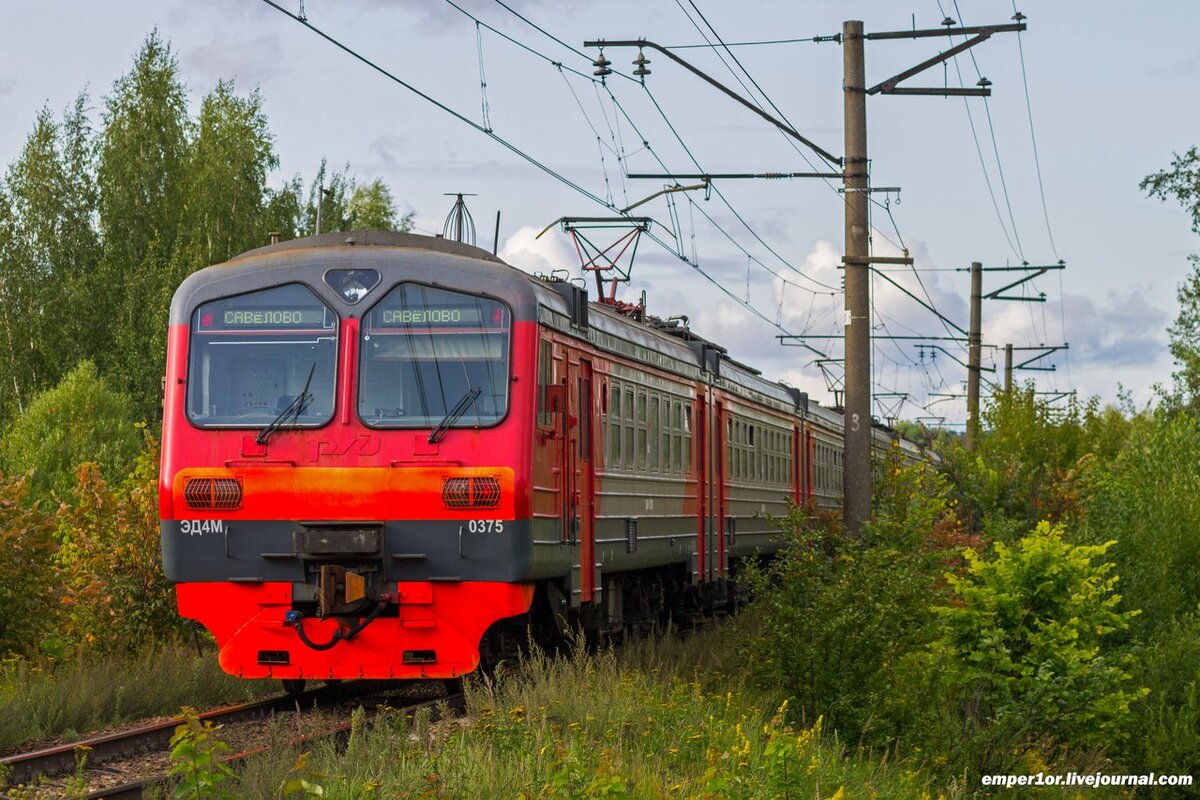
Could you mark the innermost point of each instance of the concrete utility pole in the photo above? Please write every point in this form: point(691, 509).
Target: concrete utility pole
point(974, 345)
point(857, 476)
point(1008, 369)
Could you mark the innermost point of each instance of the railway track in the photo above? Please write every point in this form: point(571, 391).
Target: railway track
point(109, 750)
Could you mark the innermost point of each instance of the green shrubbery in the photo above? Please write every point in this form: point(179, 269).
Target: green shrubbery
point(82, 570)
point(1147, 498)
point(79, 420)
point(961, 657)
point(1023, 643)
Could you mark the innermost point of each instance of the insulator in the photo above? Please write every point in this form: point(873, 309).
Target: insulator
point(640, 64)
point(601, 64)
point(1019, 17)
point(984, 82)
point(949, 22)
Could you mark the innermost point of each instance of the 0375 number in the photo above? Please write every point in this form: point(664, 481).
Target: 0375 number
point(486, 526)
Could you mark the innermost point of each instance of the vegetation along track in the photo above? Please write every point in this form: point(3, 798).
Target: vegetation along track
point(131, 759)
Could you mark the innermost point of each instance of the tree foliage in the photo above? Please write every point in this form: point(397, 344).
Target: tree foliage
point(116, 595)
point(27, 603)
point(79, 420)
point(1180, 182)
point(1147, 498)
point(98, 226)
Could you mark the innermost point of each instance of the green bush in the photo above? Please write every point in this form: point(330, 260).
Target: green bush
point(115, 594)
point(1025, 641)
point(28, 604)
point(1165, 729)
point(1148, 500)
point(79, 420)
point(1028, 462)
point(838, 613)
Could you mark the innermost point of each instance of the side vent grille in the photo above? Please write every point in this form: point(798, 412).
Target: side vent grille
point(471, 492)
point(631, 535)
point(208, 494)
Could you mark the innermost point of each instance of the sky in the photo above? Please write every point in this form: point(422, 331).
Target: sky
point(1111, 96)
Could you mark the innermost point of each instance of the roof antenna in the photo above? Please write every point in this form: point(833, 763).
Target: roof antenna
point(459, 225)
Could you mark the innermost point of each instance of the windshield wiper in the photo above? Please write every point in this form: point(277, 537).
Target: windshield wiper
point(453, 414)
point(294, 410)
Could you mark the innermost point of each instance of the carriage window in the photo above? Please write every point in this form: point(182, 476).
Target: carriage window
point(428, 354)
point(653, 433)
point(545, 380)
point(253, 356)
point(613, 456)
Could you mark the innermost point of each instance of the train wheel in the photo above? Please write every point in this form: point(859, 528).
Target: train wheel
point(294, 686)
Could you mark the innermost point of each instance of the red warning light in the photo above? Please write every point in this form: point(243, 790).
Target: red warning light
point(497, 315)
point(206, 321)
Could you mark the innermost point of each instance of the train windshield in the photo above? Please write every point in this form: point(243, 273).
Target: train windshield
point(253, 355)
point(430, 356)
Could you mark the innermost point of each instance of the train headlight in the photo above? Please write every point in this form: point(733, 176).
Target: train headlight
point(213, 494)
point(478, 492)
point(352, 284)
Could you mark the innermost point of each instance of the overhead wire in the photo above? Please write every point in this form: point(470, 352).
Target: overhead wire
point(521, 153)
point(886, 206)
point(1037, 163)
point(1044, 334)
point(849, 209)
point(995, 144)
point(716, 190)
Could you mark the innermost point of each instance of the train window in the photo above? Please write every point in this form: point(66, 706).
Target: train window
point(427, 352)
point(643, 449)
point(666, 449)
point(253, 356)
point(627, 453)
point(655, 426)
point(613, 457)
point(545, 379)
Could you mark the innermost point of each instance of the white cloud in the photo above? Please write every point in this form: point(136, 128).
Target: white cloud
point(527, 252)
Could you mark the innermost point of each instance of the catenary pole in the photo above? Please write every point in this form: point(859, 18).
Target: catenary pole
point(974, 345)
point(856, 475)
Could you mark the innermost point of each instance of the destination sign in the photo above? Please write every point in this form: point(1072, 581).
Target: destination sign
point(270, 318)
point(472, 316)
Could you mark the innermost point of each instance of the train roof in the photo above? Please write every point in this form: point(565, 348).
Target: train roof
point(560, 304)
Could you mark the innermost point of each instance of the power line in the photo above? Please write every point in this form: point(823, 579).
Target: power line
point(616, 103)
point(710, 45)
point(979, 151)
point(995, 145)
point(1037, 163)
point(513, 148)
point(395, 79)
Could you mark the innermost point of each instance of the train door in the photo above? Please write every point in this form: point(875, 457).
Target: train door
point(704, 491)
point(721, 474)
point(579, 462)
point(799, 476)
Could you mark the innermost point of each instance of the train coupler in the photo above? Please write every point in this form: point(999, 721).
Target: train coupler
point(344, 633)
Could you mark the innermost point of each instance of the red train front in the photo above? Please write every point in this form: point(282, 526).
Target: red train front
point(383, 453)
point(345, 477)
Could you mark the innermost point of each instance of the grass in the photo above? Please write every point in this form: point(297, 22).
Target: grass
point(71, 699)
point(661, 718)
